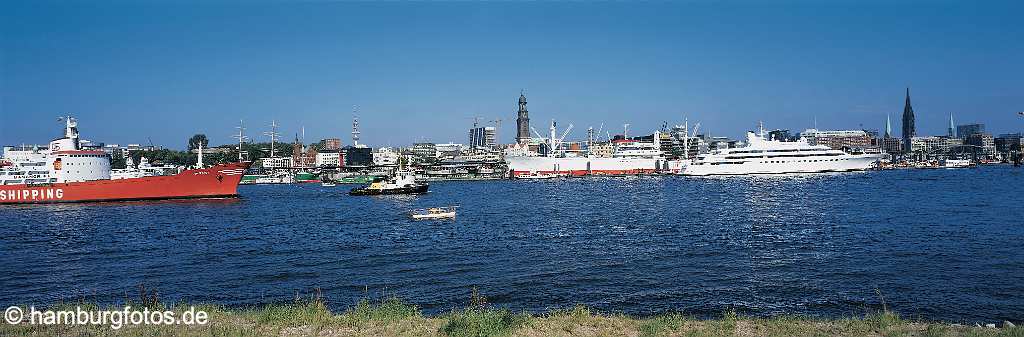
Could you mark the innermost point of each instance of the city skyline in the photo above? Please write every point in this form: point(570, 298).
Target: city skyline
point(421, 72)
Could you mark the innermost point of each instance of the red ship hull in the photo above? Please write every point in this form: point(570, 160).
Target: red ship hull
point(220, 181)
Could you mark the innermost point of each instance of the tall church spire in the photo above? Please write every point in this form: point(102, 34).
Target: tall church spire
point(888, 127)
point(522, 121)
point(908, 123)
point(951, 131)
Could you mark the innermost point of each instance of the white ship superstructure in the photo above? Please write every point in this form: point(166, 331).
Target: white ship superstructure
point(61, 161)
point(763, 156)
point(143, 169)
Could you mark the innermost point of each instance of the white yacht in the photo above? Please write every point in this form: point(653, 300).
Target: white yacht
point(763, 156)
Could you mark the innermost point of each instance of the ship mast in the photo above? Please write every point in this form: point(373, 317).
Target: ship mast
point(241, 139)
point(71, 131)
point(551, 140)
point(273, 136)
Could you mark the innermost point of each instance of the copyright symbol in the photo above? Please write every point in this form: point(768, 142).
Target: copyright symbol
point(13, 315)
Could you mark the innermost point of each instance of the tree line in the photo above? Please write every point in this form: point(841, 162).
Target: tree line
point(229, 154)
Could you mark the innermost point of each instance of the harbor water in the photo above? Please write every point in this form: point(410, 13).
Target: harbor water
point(931, 244)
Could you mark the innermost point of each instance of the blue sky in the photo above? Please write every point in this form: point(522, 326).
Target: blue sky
point(162, 71)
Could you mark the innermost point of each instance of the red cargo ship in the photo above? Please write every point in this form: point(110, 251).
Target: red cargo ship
point(65, 173)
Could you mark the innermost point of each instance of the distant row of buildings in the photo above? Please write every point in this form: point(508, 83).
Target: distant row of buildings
point(961, 141)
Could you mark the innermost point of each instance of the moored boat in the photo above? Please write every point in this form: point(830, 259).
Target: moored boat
point(280, 177)
point(628, 158)
point(536, 176)
point(763, 156)
point(305, 177)
point(957, 163)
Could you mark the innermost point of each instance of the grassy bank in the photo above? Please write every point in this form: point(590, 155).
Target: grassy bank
point(391, 317)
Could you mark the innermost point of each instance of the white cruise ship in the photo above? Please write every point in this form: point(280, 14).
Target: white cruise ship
point(762, 156)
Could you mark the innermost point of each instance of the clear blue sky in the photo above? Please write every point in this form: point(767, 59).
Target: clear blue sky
point(166, 70)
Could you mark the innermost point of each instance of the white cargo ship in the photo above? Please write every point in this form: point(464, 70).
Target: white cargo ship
point(628, 158)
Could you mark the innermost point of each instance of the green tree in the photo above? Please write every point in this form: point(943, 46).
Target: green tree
point(117, 160)
point(196, 140)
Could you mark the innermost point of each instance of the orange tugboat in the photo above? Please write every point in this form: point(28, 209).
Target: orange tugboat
point(64, 172)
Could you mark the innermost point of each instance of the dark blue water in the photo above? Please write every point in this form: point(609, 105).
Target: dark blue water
point(936, 244)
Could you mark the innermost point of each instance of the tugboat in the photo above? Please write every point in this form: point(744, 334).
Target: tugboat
point(403, 182)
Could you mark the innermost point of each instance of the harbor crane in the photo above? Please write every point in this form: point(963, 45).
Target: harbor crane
point(553, 141)
point(562, 138)
point(476, 120)
point(537, 133)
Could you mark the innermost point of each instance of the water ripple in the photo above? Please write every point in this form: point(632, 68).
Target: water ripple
point(937, 244)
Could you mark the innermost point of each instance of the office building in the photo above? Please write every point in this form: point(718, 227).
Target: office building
point(330, 144)
point(933, 146)
point(1007, 143)
point(329, 158)
point(482, 137)
point(424, 153)
point(966, 130)
point(984, 143)
point(385, 156)
point(358, 156)
point(847, 140)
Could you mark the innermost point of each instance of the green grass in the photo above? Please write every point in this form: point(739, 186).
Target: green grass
point(392, 317)
point(483, 322)
point(388, 310)
point(662, 325)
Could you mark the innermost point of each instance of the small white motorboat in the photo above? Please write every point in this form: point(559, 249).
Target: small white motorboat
point(537, 176)
point(433, 213)
point(327, 184)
